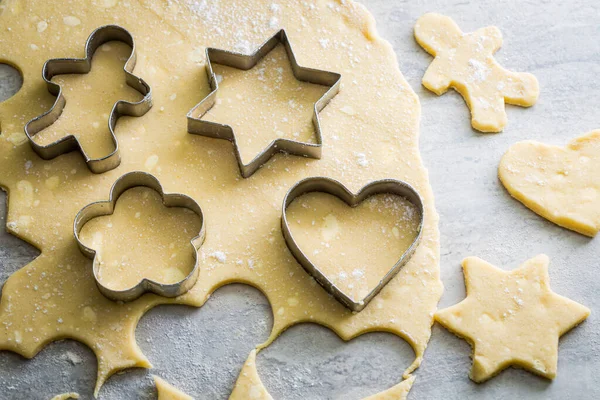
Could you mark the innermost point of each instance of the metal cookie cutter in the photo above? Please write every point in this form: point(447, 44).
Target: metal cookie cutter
point(337, 189)
point(60, 66)
point(245, 62)
point(128, 181)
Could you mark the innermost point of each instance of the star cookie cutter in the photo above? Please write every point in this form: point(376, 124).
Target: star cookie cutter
point(101, 208)
point(337, 189)
point(60, 66)
point(245, 62)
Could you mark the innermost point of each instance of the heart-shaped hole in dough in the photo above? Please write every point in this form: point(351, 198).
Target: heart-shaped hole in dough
point(353, 244)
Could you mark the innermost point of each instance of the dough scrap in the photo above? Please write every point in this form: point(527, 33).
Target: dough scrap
point(465, 62)
point(55, 297)
point(167, 391)
point(66, 396)
point(561, 184)
point(511, 318)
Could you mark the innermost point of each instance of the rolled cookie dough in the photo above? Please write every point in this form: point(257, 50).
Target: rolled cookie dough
point(55, 296)
point(167, 391)
point(511, 318)
point(562, 184)
point(66, 396)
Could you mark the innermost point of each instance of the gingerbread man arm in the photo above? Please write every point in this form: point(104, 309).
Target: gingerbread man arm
point(521, 89)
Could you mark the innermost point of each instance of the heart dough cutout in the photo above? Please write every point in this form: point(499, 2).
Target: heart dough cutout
point(561, 184)
point(335, 188)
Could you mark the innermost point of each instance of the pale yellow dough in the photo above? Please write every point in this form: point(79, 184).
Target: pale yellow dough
point(167, 391)
point(370, 131)
point(142, 239)
point(562, 184)
point(353, 247)
point(66, 396)
point(511, 318)
point(465, 62)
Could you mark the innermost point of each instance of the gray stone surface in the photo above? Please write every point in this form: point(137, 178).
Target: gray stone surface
point(202, 350)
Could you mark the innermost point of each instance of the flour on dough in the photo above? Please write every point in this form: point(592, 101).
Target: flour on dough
point(465, 62)
point(55, 296)
point(511, 318)
point(561, 184)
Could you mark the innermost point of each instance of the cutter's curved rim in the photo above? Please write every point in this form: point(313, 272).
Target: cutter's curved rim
point(242, 61)
point(336, 188)
point(102, 208)
point(66, 144)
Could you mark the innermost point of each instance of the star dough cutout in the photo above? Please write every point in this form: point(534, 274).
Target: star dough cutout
point(465, 62)
point(511, 318)
point(559, 183)
point(196, 125)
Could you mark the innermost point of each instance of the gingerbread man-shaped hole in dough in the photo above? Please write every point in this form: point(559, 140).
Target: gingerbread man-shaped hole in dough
point(465, 62)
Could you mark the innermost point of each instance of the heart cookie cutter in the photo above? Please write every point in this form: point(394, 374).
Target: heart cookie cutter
point(245, 62)
point(337, 189)
point(61, 66)
point(101, 208)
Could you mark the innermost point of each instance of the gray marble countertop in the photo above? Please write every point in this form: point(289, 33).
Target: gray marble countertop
point(202, 350)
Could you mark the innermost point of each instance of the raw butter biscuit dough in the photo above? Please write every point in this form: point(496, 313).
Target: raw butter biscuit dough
point(511, 318)
point(66, 396)
point(336, 238)
point(465, 62)
point(370, 132)
point(561, 184)
point(167, 391)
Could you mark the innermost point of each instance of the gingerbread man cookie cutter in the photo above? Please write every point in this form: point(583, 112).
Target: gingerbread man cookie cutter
point(337, 189)
point(60, 66)
point(465, 62)
point(198, 126)
point(102, 208)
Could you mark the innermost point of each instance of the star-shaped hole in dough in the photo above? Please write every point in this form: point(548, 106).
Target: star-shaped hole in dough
point(465, 62)
point(561, 184)
point(511, 318)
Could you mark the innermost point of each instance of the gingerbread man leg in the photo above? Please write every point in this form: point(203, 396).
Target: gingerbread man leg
point(436, 79)
point(487, 113)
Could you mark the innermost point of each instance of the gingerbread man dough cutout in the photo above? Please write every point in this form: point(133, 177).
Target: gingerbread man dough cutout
point(465, 62)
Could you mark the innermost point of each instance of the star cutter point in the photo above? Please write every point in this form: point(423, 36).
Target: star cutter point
point(245, 62)
point(62, 66)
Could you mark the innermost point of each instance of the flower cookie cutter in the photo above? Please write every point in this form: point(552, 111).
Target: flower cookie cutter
point(60, 66)
point(245, 62)
point(337, 189)
point(101, 208)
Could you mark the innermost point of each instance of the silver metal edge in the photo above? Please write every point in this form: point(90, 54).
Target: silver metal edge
point(336, 188)
point(101, 208)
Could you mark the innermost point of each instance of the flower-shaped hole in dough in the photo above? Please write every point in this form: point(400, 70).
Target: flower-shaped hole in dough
point(140, 239)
